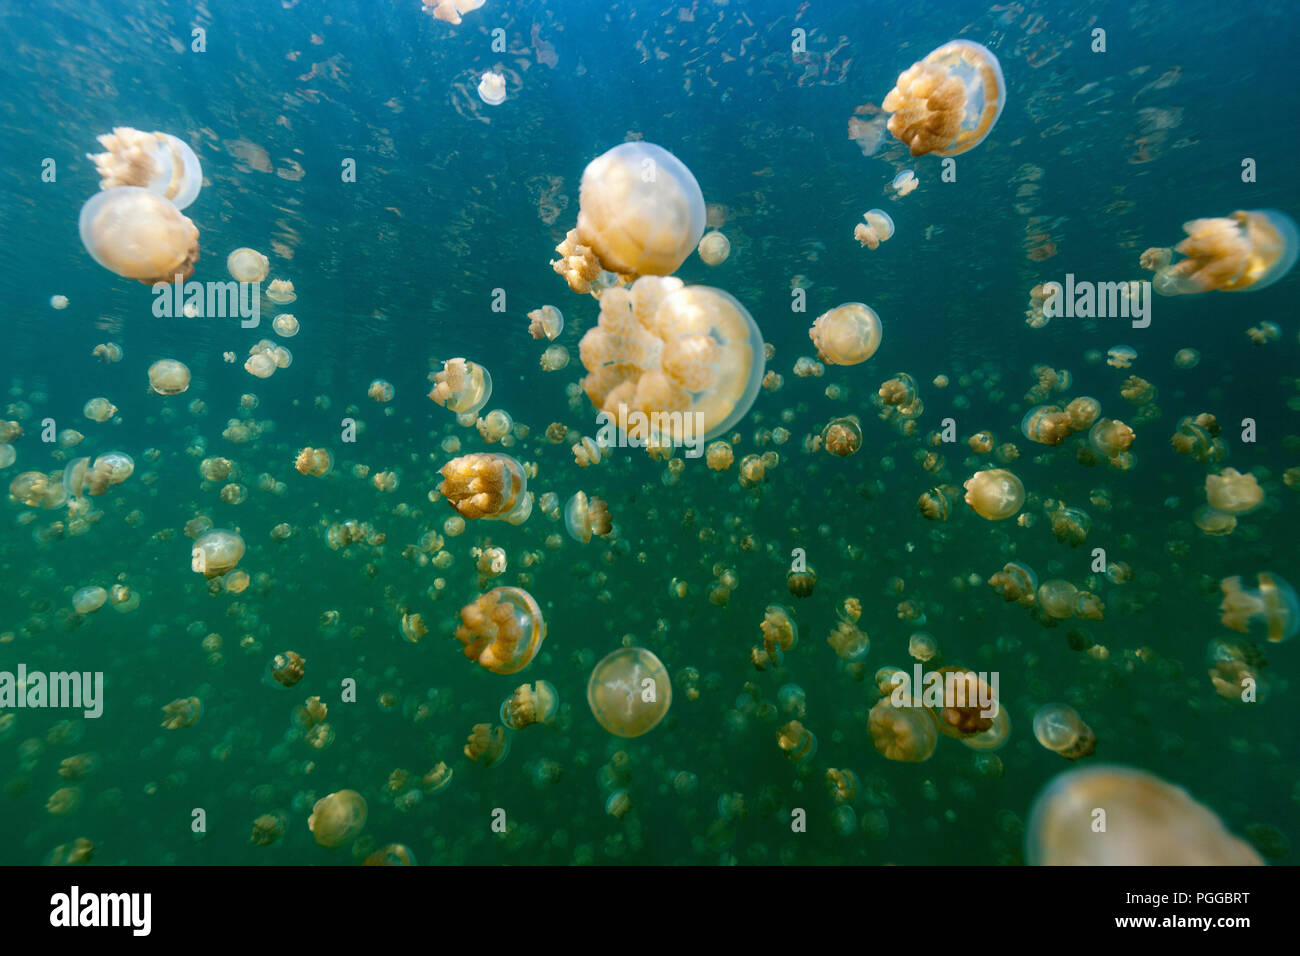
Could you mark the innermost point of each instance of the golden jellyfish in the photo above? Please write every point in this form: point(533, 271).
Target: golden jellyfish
point(285, 325)
point(216, 552)
point(280, 291)
point(1264, 333)
point(462, 386)
point(338, 818)
point(486, 485)
point(937, 503)
point(1110, 437)
point(714, 248)
point(1121, 356)
point(669, 364)
point(1084, 412)
point(502, 630)
point(450, 10)
point(487, 745)
point(1138, 390)
point(1246, 250)
point(848, 334)
point(89, 600)
point(797, 741)
point(842, 436)
point(922, 646)
point(1046, 425)
point(995, 494)
point(719, 456)
point(1071, 525)
point(629, 692)
point(1056, 598)
point(801, 583)
point(111, 468)
point(1272, 609)
point(286, 669)
point(555, 358)
point(247, 265)
point(546, 322)
point(182, 713)
point(584, 517)
point(7, 455)
point(948, 102)
point(169, 377)
point(1148, 823)
point(1187, 358)
point(1016, 582)
point(641, 213)
point(108, 352)
point(530, 704)
point(158, 162)
point(779, 630)
point(139, 235)
point(1233, 493)
point(380, 391)
point(904, 731)
point(877, 227)
point(314, 461)
point(1059, 728)
point(495, 425)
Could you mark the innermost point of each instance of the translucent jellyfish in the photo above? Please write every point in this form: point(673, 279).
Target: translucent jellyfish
point(948, 102)
point(629, 692)
point(714, 248)
point(58, 302)
point(1110, 437)
point(182, 713)
point(842, 436)
point(904, 733)
point(995, 494)
point(922, 646)
point(158, 162)
point(111, 468)
point(584, 517)
point(1056, 598)
point(484, 485)
point(671, 364)
point(876, 228)
point(530, 704)
point(904, 183)
point(380, 391)
point(1233, 493)
point(7, 455)
point(546, 322)
point(1148, 823)
point(314, 461)
point(1272, 609)
point(450, 10)
point(1187, 358)
point(846, 335)
point(286, 670)
point(487, 745)
point(89, 600)
point(495, 425)
point(719, 456)
point(502, 630)
point(139, 235)
point(1046, 425)
point(462, 386)
point(169, 377)
point(285, 325)
point(555, 358)
point(1121, 356)
point(492, 88)
point(797, 741)
point(1059, 728)
point(247, 265)
point(107, 352)
point(1243, 251)
point(1083, 412)
point(337, 818)
point(280, 291)
point(1071, 525)
point(937, 503)
point(216, 552)
point(641, 213)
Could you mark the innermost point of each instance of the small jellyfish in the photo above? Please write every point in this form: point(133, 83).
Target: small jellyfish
point(714, 248)
point(530, 704)
point(846, 335)
point(905, 732)
point(502, 630)
point(797, 741)
point(546, 322)
point(904, 183)
point(450, 10)
point(285, 325)
point(182, 713)
point(1244, 251)
point(286, 669)
point(1059, 728)
point(1121, 356)
point(995, 494)
point(842, 436)
point(1148, 823)
point(487, 485)
point(492, 88)
point(158, 162)
point(1272, 609)
point(1071, 525)
point(629, 692)
point(948, 102)
point(338, 818)
point(487, 745)
point(247, 265)
point(1046, 425)
point(1233, 493)
point(462, 386)
point(89, 600)
point(584, 517)
point(876, 228)
point(1110, 437)
point(280, 291)
point(380, 391)
point(801, 583)
point(1187, 358)
point(922, 646)
point(314, 461)
point(139, 235)
point(216, 552)
point(555, 358)
point(169, 377)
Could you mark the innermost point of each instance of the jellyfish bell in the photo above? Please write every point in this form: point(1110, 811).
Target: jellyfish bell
point(157, 162)
point(848, 334)
point(584, 517)
point(139, 235)
point(1247, 250)
point(629, 692)
point(903, 731)
point(842, 436)
point(904, 183)
point(492, 88)
point(1271, 610)
point(714, 248)
point(502, 630)
point(948, 102)
point(169, 377)
point(462, 386)
point(88, 600)
point(1148, 823)
point(337, 818)
point(995, 494)
point(487, 485)
point(285, 325)
point(247, 265)
point(1059, 728)
point(280, 291)
point(546, 322)
point(216, 552)
point(1233, 493)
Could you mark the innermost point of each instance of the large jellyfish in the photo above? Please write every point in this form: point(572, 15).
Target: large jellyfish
point(503, 630)
point(158, 162)
point(641, 212)
point(629, 692)
point(139, 235)
point(848, 334)
point(947, 103)
point(672, 364)
point(1246, 250)
point(486, 485)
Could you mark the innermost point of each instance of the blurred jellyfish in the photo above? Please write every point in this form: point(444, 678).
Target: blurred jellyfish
point(380, 391)
point(584, 517)
point(995, 494)
point(247, 265)
point(905, 732)
point(169, 377)
point(158, 162)
point(462, 386)
point(89, 600)
point(641, 213)
point(1148, 822)
point(670, 364)
point(502, 630)
point(1272, 609)
point(314, 461)
point(948, 102)
point(846, 335)
point(876, 228)
point(492, 88)
point(1246, 250)
point(555, 358)
point(58, 302)
point(1059, 728)
point(797, 741)
point(182, 713)
point(629, 692)
point(714, 248)
point(485, 485)
point(1187, 358)
point(487, 745)
point(546, 322)
point(1233, 493)
point(922, 646)
point(450, 10)
point(338, 818)
point(1121, 356)
point(904, 183)
point(216, 552)
point(139, 235)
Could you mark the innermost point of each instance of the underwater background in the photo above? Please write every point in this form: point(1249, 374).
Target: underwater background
point(1096, 157)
